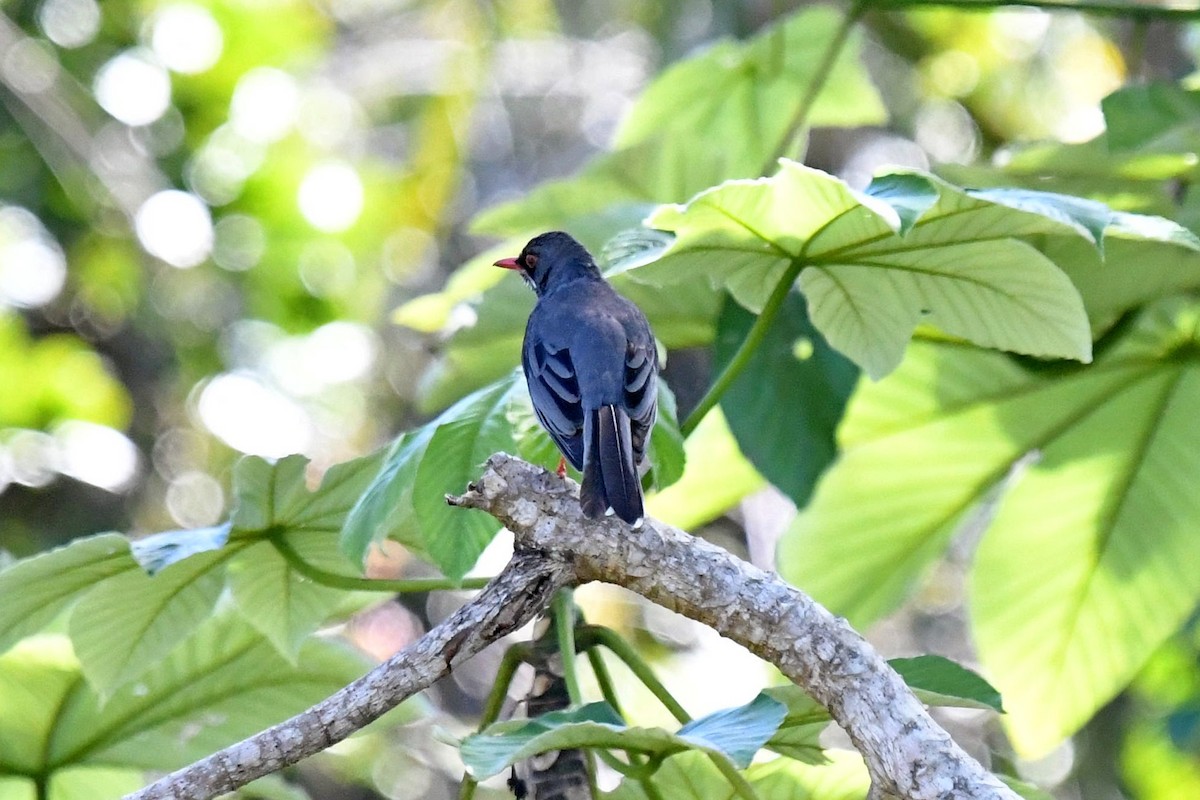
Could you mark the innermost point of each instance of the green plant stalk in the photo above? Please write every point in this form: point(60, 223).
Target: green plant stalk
point(351, 583)
point(603, 680)
point(742, 357)
point(513, 658)
point(595, 634)
point(741, 786)
point(820, 77)
point(564, 628)
point(637, 770)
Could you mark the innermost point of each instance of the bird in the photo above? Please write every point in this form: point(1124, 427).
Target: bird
point(591, 364)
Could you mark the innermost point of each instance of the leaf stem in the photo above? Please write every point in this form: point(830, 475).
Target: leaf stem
point(820, 77)
point(591, 635)
point(563, 609)
point(746, 350)
point(352, 583)
point(741, 786)
point(513, 658)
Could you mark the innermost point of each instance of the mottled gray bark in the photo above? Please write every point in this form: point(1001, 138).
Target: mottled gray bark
point(906, 752)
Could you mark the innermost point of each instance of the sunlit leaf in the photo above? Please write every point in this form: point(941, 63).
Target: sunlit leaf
point(867, 286)
point(223, 684)
point(130, 621)
point(37, 589)
point(1070, 594)
point(692, 776)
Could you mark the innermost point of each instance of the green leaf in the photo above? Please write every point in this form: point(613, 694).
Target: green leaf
point(747, 93)
point(785, 405)
point(715, 478)
point(736, 734)
point(503, 743)
point(274, 499)
point(37, 589)
point(1146, 115)
point(95, 783)
point(1069, 593)
point(867, 286)
point(283, 605)
point(35, 677)
point(130, 621)
point(1025, 790)
point(799, 734)
point(938, 681)
point(666, 453)
point(222, 685)
point(692, 776)
point(277, 495)
point(406, 499)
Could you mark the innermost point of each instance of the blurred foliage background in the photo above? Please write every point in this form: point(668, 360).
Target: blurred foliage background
point(210, 210)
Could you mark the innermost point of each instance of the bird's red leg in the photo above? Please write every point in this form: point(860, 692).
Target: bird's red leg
point(562, 467)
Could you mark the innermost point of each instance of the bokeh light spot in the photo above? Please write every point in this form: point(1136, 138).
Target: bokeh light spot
point(33, 268)
point(186, 38)
point(176, 227)
point(97, 454)
point(240, 242)
point(69, 23)
point(195, 500)
point(134, 88)
point(264, 104)
point(331, 196)
point(253, 418)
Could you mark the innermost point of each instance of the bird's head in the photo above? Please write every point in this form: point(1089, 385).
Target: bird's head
point(551, 257)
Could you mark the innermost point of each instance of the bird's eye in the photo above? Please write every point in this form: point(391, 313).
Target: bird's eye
point(531, 260)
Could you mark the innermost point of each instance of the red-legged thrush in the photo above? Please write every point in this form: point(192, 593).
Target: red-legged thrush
point(591, 365)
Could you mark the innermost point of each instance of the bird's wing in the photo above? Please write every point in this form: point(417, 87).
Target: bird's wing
point(641, 391)
point(554, 389)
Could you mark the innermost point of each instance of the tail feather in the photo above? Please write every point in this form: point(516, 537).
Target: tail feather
point(610, 478)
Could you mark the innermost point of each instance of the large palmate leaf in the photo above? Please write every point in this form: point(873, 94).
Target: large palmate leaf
point(1085, 569)
point(722, 114)
point(225, 683)
point(872, 266)
point(37, 589)
point(130, 621)
point(275, 503)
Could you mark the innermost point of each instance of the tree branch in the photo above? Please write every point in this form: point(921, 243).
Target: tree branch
point(516, 595)
point(906, 753)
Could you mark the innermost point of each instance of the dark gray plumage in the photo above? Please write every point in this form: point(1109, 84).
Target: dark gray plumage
point(591, 365)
